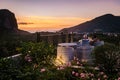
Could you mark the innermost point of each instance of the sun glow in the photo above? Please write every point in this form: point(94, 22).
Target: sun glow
point(37, 23)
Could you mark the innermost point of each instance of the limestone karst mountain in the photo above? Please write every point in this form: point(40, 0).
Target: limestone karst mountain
point(8, 23)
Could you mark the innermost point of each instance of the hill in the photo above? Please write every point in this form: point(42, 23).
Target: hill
point(104, 23)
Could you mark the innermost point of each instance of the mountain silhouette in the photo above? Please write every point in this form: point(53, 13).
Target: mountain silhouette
point(8, 23)
point(105, 23)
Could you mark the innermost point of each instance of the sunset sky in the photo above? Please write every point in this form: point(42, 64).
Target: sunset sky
point(52, 15)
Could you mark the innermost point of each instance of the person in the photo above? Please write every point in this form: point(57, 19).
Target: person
point(96, 41)
point(85, 40)
point(85, 36)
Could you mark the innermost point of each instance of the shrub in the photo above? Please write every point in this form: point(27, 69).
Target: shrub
point(107, 57)
point(40, 53)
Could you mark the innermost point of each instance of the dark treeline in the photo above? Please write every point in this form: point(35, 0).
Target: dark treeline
point(9, 43)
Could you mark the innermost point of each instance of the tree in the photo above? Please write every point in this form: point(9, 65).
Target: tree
point(107, 56)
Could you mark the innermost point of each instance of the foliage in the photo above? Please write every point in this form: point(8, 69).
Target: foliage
point(8, 48)
point(10, 70)
point(23, 68)
point(41, 53)
point(110, 38)
point(36, 63)
point(107, 57)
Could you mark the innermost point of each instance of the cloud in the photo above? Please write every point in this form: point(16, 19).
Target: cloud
point(24, 23)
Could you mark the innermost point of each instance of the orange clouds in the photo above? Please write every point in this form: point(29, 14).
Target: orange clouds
point(37, 23)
